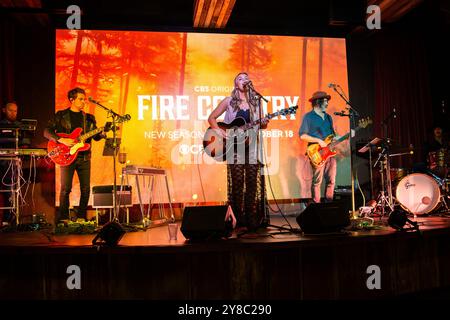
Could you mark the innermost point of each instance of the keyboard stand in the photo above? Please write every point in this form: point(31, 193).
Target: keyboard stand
point(15, 185)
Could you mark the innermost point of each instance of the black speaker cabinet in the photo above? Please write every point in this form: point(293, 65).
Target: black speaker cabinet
point(207, 222)
point(324, 217)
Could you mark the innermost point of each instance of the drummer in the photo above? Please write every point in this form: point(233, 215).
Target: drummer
point(436, 151)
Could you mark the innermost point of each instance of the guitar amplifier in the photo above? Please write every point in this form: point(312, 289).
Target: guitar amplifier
point(103, 196)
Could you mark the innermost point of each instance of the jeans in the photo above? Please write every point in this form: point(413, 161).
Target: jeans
point(82, 165)
point(328, 170)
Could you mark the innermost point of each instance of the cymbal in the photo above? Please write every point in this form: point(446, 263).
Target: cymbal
point(393, 146)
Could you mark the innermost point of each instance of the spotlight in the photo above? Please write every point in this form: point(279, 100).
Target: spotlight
point(109, 235)
point(398, 219)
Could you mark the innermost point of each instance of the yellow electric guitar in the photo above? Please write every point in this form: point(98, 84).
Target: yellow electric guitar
point(318, 155)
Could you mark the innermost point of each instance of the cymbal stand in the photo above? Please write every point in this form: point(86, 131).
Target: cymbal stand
point(385, 198)
point(444, 197)
point(388, 179)
point(444, 191)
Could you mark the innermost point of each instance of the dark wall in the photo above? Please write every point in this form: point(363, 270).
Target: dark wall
point(361, 90)
point(34, 76)
point(27, 70)
point(27, 77)
point(403, 65)
point(7, 30)
point(437, 27)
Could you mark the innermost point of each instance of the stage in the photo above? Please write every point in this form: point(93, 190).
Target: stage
point(266, 265)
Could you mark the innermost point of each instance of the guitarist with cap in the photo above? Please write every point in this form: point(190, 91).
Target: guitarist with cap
point(65, 122)
point(316, 126)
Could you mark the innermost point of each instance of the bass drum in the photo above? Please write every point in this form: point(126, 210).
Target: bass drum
point(418, 193)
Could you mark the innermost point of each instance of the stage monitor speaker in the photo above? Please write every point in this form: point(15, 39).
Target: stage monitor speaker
point(324, 217)
point(109, 235)
point(207, 222)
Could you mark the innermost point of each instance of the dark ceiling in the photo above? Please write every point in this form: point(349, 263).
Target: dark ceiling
point(312, 17)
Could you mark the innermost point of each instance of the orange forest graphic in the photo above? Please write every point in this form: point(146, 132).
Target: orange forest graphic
point(170, 82)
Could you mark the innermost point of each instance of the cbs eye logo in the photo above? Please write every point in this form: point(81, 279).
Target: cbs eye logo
point(185, 149)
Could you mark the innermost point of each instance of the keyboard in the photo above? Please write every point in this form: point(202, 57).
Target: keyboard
point(144, 170)
point(23, 152)
point(24, 125)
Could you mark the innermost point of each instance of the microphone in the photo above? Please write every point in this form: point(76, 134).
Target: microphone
point(248, 84)
point(93, 101)
point(341, 114)
point(123, 118)
point(331, 85)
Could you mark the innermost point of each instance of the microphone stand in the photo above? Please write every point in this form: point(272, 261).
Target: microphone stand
point(260, 96)
point(347, 101)
point(352, 114)
point(260, 151)
point(385, 124)
point(116, 118)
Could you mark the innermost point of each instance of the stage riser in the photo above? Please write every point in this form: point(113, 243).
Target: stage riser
point(324, 270)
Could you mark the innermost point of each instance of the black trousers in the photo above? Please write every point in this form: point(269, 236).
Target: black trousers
point(82, 165)
point(245, 194)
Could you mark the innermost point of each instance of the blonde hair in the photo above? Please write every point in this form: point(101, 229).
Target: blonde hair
point(236, 99)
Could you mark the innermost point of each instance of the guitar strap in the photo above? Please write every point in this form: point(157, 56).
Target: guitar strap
point(84, 122)
point(331, 124)
point(84, 129)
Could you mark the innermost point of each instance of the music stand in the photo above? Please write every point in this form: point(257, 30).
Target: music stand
point(108, 149)
point(368, 147)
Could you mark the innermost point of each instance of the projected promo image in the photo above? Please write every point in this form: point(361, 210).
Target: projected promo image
point(170, 82)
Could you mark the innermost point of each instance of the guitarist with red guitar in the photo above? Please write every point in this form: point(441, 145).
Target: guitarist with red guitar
point(316, 127)
point(69, 134)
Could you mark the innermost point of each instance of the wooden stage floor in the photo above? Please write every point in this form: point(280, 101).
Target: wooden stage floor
point(158, 236)
point(266, 265)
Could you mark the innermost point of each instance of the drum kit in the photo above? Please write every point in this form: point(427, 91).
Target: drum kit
point(419, 192)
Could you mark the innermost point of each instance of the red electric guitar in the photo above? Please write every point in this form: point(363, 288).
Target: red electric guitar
point(318, 155)
point(64, 155)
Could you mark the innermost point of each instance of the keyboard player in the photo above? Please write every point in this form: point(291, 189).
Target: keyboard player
point(10, 128)
point(7, 140)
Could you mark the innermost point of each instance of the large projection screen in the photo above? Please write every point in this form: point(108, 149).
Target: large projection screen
point(170, 81)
